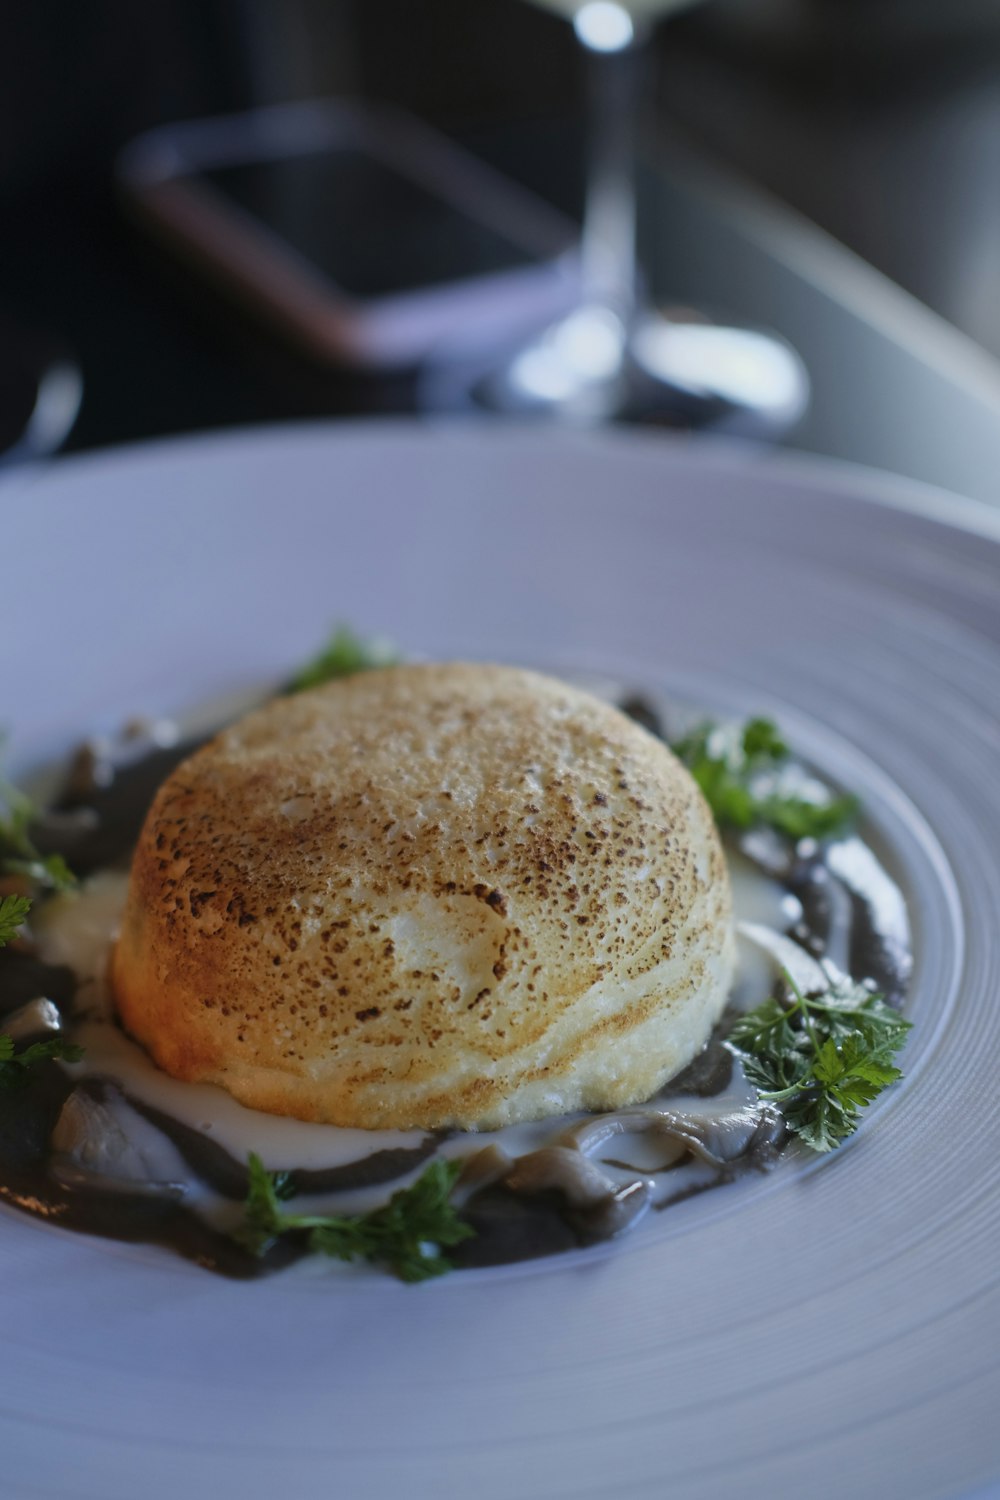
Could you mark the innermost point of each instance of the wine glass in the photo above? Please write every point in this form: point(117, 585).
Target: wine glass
point(615, 356)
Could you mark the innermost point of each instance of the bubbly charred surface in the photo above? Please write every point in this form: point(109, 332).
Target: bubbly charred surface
point(427, 896)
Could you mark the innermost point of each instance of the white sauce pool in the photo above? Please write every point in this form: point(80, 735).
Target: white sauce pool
point(78, 927)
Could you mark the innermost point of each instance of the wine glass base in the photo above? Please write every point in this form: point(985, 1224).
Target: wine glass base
point(673, 368)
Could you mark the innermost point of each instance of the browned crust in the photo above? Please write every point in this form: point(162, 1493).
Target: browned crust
point(401, 898)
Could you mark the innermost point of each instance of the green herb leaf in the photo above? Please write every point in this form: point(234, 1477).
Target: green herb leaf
point(51, 871)
point(16, 813)
point(799, 819)
point(761, 737)
point(262, 1221)
point(15, 1066)
point(407, 1234)
point(740, 772)
point(18, 854)
point(343, 655)
point(821, 1058)
point(13, 913)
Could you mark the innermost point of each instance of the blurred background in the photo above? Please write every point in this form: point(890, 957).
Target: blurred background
point(827, 169)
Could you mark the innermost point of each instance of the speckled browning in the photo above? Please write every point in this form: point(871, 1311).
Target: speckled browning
point(423, 896)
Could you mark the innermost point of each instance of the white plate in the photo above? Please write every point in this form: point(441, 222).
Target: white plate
point(823, 1333)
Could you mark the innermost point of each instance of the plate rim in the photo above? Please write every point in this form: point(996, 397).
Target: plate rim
point(854, 480)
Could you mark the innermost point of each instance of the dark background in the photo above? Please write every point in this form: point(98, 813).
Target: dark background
point(879, 119)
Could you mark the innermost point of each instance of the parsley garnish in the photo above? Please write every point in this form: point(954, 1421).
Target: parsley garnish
point(343, 655)
point(14, 1066)
point(407, 1233)
point(739, 772)
point(821, 1058)
point(13, 912)
point(18, 854)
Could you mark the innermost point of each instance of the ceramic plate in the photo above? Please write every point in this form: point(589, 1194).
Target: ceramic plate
point(830, 1331)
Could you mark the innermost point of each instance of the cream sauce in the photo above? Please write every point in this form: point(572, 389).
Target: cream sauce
point(77, 929)
point(134, 1151)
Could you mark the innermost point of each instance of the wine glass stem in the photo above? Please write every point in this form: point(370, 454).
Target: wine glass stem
point(608, 244)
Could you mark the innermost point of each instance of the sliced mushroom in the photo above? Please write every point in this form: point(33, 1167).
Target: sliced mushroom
point(811, 977)
point(718, 1140)
point(563, 1169)
point(102, 1145)
point(38, 1018)
point(483, 1168)
point(598, 1206)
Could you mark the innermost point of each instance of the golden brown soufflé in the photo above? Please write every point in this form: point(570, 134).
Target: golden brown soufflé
point(425, 896)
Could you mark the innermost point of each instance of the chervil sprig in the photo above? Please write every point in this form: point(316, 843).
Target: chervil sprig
point(15, 1066)
point(18, 853)
point(343, 655)
point(407, 1234)
point(13, 914)
point(821, 1058)
point(739, 772)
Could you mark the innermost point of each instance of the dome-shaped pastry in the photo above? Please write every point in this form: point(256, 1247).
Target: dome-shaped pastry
point(427, 896)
